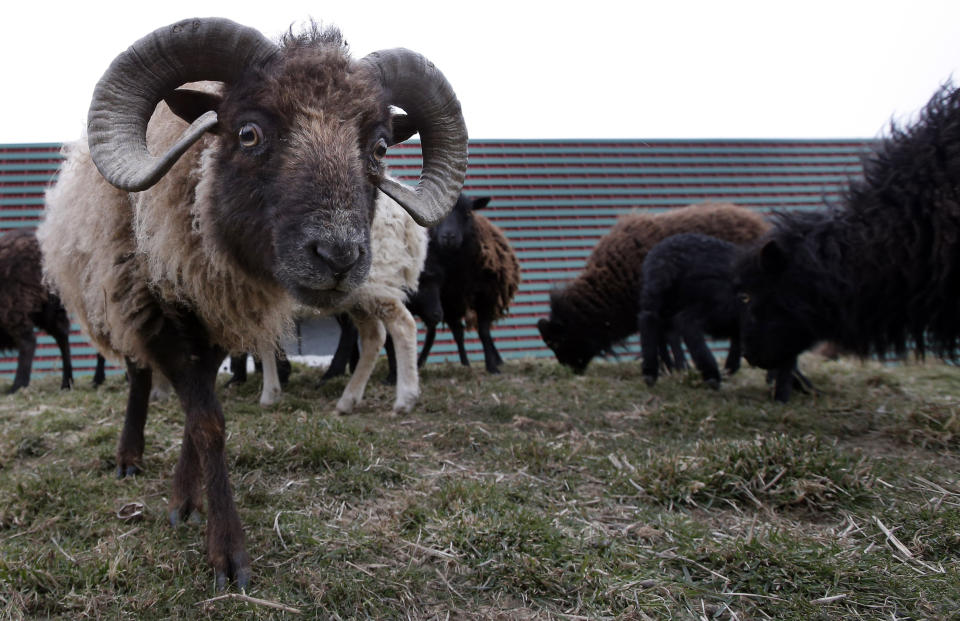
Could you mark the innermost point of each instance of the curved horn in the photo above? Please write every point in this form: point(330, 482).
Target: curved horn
point(136, 81)
point(416, 85)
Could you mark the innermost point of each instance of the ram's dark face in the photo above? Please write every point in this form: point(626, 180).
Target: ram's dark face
point(774, 322)
point(301, 131)
point(300, 152)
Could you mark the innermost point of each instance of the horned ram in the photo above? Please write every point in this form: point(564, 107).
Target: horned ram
point(269, 174)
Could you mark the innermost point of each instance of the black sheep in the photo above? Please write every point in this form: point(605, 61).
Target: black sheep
point(880, 272)
point(688, 290)
point(25, 303)
point(470, 272)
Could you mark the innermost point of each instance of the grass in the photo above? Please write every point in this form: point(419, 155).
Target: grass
point(532, 494)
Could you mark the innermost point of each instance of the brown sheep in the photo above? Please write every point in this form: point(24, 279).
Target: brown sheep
point(26, 303)
point(599, 308)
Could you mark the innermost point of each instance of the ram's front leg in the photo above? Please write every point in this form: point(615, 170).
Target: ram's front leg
point(403, 329)
point(191, 365)
point(372, 336)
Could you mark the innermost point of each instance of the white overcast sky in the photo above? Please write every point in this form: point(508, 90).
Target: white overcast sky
point(531, 69)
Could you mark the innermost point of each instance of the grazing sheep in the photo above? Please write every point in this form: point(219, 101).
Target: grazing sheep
point(263, 202)
point(688, 288)
point(878, 273)
point(25, 303)
point(599, 308)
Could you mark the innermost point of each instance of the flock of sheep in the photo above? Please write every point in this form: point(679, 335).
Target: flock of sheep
point(270, 195)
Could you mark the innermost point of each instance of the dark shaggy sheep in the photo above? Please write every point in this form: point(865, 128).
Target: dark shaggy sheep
point(688, 289)
point(471, 273)
point(599, 308)
point(878, 273)
point(25, 303)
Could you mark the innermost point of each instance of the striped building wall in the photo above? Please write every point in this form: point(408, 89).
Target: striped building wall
point(553, 198)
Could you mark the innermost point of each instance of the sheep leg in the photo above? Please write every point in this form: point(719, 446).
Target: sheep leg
point(270, 394)
point(284, 368)
point(100, 372)
point(130, 447)
point(676, 347)
point(60, 331)
point(491, 357)
point(649, 325)
point(802, 383)
point(26, 346)
point(391, 378)
point(783, 382)
point(732, 363)
point(202, 464)
point(456, 327)
point(403, 329)
point(346, 349)
point(702, 357)
point(372, 335)
point(162, 389)
point(238, 369)
point(427, 343)
point(663, 352)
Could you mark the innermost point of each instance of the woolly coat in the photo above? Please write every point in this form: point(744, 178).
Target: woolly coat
point(599, 307)
point(22, 293)
point(498, 270)
point(878, 273)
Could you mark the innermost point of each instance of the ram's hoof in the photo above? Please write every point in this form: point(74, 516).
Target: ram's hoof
point(650, 380)
point(241, 576)
point(713, 383)
point(127, 471)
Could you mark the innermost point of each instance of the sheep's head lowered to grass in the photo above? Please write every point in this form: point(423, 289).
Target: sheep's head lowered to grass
point(301, 132)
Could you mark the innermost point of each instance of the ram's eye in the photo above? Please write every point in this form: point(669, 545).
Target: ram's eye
point(250, 135)
point(380, 149)
point(744, 298)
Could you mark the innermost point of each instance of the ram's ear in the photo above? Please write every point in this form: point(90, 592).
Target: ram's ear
point(480, 203)
point(403, 128)
point(773, 258)
point(190, 105)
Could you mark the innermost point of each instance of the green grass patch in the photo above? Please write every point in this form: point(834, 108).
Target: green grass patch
point(535, 493)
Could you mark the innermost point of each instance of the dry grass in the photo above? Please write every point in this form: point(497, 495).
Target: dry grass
point(533, 494)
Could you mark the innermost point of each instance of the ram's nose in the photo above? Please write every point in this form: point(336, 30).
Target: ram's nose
point(338, 258)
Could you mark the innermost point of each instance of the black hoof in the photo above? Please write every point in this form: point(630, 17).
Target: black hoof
point(238, 571)
point(650, 380)
point(184, 516)
point(713, 383)
point(127, 471)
